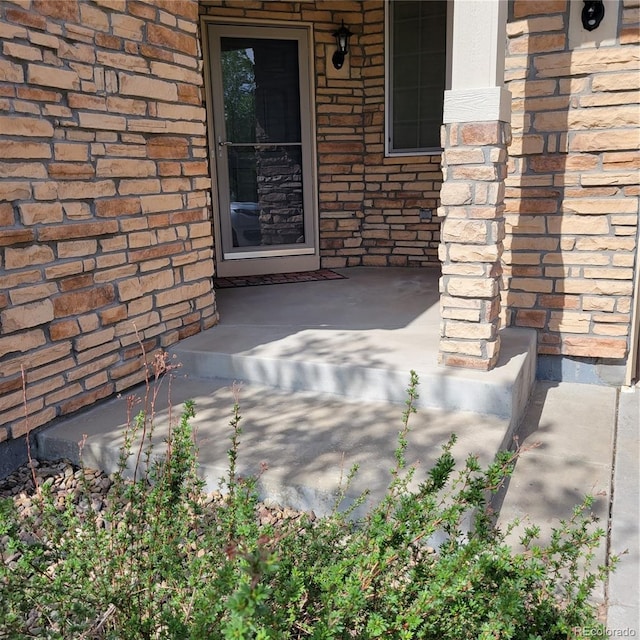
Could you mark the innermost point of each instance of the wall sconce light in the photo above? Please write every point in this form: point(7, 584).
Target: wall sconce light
point(592, 14)
point(342, 36)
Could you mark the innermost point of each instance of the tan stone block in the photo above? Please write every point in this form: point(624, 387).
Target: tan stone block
point(10, 72)
point(155, 204)
point(135, 85)
point(111, 275)
point(466, 361)
point(52, 77)
point(623, 260)
point(41, 213)
point(10, 31)
point(22, 170)
point(10, 149)
point(36, 419)
point(113, 315)
point(18, 258)
point(468, 347)
point(610, 329)
point(76, 248)
point(22, 343)
point(64, 329)
point(602, 141)
point(127, 26)
point(534, 285)
point(586, 61)
point(473, 253)
point(181, 293)
point(77, 302)
point(594, 287)
point(7, 217)
point(600, 205)
point(457, 313)
point(168, 147)
point(85, 101)
point(94, 18)
point(586, 119)
point(71, 170)
point(471, 287)
point(117, 207)
point(591, 346)
point(580, 225)
point(615, 81)
point(197, 271)
point(569, 322)
point(605, 243)
point(174, 72)
point(459, 230)
point(78, 230)
point(102, 121)
point(121, 167)
point(468, 330)
point(126, 105)
point(137, 187)
point(23, 295)
point(526, 145)
point(26, 316)
point(623, 305)
point(480, 133)
point(83, 190)
point(86, 399)
point(605, 99)
point(77, 210)
point(165, 37)
point(609, 178)
point(85, 342)
point(15, 191)
point(617, 274)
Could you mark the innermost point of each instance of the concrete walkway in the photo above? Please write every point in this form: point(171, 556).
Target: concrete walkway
point(624, 585)
point(578, 451)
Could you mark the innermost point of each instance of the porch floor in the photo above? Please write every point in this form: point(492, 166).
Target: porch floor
point(324, 368)
point(357, 337)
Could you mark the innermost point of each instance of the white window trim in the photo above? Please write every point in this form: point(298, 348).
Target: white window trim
point(388, 152)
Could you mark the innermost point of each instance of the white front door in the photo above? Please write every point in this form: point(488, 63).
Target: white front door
point(262, 147)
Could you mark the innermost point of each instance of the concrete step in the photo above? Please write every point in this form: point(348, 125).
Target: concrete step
point(308, 440)
point(370, 366)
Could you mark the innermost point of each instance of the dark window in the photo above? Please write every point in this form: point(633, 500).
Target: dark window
point(417, 65)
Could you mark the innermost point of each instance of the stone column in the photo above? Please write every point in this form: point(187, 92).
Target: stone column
point(475, 135)
point(472, 204)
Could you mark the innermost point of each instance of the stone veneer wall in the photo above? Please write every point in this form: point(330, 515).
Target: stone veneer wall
point(103, 198)
point(572, 191)
point(369, 205)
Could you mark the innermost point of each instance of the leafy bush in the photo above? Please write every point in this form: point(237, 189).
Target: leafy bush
point(164, 560)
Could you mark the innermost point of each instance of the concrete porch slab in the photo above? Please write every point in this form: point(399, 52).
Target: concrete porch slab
point(358, 337)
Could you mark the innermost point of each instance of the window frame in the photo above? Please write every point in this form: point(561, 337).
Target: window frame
point(388, 103)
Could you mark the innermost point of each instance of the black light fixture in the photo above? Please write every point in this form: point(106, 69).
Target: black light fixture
point(342, 36)
point(592, 14)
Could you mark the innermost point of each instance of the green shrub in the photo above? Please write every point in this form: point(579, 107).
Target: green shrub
point(164, 561)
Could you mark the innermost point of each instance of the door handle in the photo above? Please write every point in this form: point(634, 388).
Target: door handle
point(221, 144)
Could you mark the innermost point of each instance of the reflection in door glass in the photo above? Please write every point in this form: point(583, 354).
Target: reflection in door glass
point(266, 195)
point(263, 135)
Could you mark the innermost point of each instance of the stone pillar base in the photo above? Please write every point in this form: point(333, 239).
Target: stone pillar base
point(472, 205)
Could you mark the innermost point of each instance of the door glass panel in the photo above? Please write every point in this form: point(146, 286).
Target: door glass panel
point(261, 89)
point(266, 195)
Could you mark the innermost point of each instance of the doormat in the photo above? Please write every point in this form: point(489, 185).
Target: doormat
point(276, 278)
